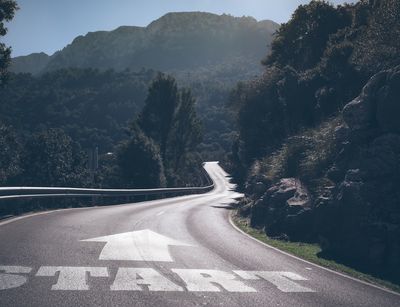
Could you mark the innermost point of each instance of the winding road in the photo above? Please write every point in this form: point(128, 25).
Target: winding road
point(180, 251)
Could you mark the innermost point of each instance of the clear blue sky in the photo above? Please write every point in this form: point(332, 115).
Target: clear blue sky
point(49, 25)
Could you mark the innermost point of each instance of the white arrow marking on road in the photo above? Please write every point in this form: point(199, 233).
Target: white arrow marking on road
point(142, 245)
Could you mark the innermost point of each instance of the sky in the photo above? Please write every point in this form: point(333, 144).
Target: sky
point(49, 25)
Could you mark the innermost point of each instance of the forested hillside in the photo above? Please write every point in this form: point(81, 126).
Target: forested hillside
point(318, 150)
point(205, 52)
point(92, 107)
point(51, 124)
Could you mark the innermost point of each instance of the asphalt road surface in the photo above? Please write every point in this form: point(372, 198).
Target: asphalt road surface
point(180, 251)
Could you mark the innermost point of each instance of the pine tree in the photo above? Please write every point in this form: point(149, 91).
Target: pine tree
point(156, 119)
point(7, 11)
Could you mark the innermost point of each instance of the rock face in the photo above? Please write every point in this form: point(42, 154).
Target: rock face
point(365, 212)
point(378, 104)
point(356, 217)
point(284, 210)
point(359, 113)
point(388, 102)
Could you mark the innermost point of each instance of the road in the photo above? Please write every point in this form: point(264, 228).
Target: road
point(180, 251)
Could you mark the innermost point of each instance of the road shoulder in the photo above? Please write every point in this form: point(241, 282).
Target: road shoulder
point(308, 254)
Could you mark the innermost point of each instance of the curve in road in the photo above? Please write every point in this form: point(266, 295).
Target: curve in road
point(173, 252)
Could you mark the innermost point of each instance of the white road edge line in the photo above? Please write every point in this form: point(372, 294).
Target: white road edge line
point(308, 262)
point(28, 215)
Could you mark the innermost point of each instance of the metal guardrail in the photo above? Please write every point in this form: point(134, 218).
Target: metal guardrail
point(7, 193)
point(40, 192)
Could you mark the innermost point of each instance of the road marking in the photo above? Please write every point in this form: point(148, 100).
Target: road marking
point(8, 280)
point(142, 245)
point(140, 279)
point(284, 281)
point(131, 279)
point(204, 280)
point(160, 213)
point(72, 278)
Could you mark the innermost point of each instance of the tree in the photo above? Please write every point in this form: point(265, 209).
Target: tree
point(301, 42)
point(156, 118)
point(139, 161)
point(377, 44)
point(9, 154)
point(261, 117)
point(52, 158)
point(186, 133)
point(7, 11)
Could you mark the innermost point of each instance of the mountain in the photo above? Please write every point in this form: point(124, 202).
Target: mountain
point(33, 63)
point(175, 42)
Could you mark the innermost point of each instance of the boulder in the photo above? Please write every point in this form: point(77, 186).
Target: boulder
point(360, 113)
point(256, 187)
point(378, 104)
point(282, 191)
point(284, 210)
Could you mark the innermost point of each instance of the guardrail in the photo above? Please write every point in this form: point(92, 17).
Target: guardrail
point(7, 193)
point(40, 192)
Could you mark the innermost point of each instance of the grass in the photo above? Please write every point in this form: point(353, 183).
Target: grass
point(310, 253)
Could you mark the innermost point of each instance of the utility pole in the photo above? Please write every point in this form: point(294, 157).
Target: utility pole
point(93, 166)
point(93, 163)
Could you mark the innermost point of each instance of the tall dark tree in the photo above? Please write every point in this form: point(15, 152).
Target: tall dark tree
point(7, 11)
point(186, 132)
point(156, 119)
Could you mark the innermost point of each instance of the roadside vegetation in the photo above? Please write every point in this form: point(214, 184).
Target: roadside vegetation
point(318, 144)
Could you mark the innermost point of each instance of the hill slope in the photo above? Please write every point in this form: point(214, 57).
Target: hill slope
point(175, 42)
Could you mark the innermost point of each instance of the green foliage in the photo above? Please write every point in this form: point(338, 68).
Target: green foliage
point(90, 106)
point(186, 131)
point(157, 117)
point(169, 118)
point(51, 158)
point(7, 11)
point(260, 116)
point(319, 62)
point(9, 154)
point(301, 42)
point(377, 37)
point(306, 156)
point(139, 162)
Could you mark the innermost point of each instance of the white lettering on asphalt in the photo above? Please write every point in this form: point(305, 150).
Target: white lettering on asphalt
point(205, 280)
point(284, 281)
point(8, 280)
point(130, 279)
point(72, 278)
point(139, 279)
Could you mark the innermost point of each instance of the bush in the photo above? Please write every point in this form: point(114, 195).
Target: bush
point(139, 162)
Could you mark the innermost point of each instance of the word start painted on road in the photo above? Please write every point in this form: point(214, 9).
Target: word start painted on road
point(146, 245)
point(67, 278)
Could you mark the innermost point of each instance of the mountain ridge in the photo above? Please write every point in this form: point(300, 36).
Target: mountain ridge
point(175, 41)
